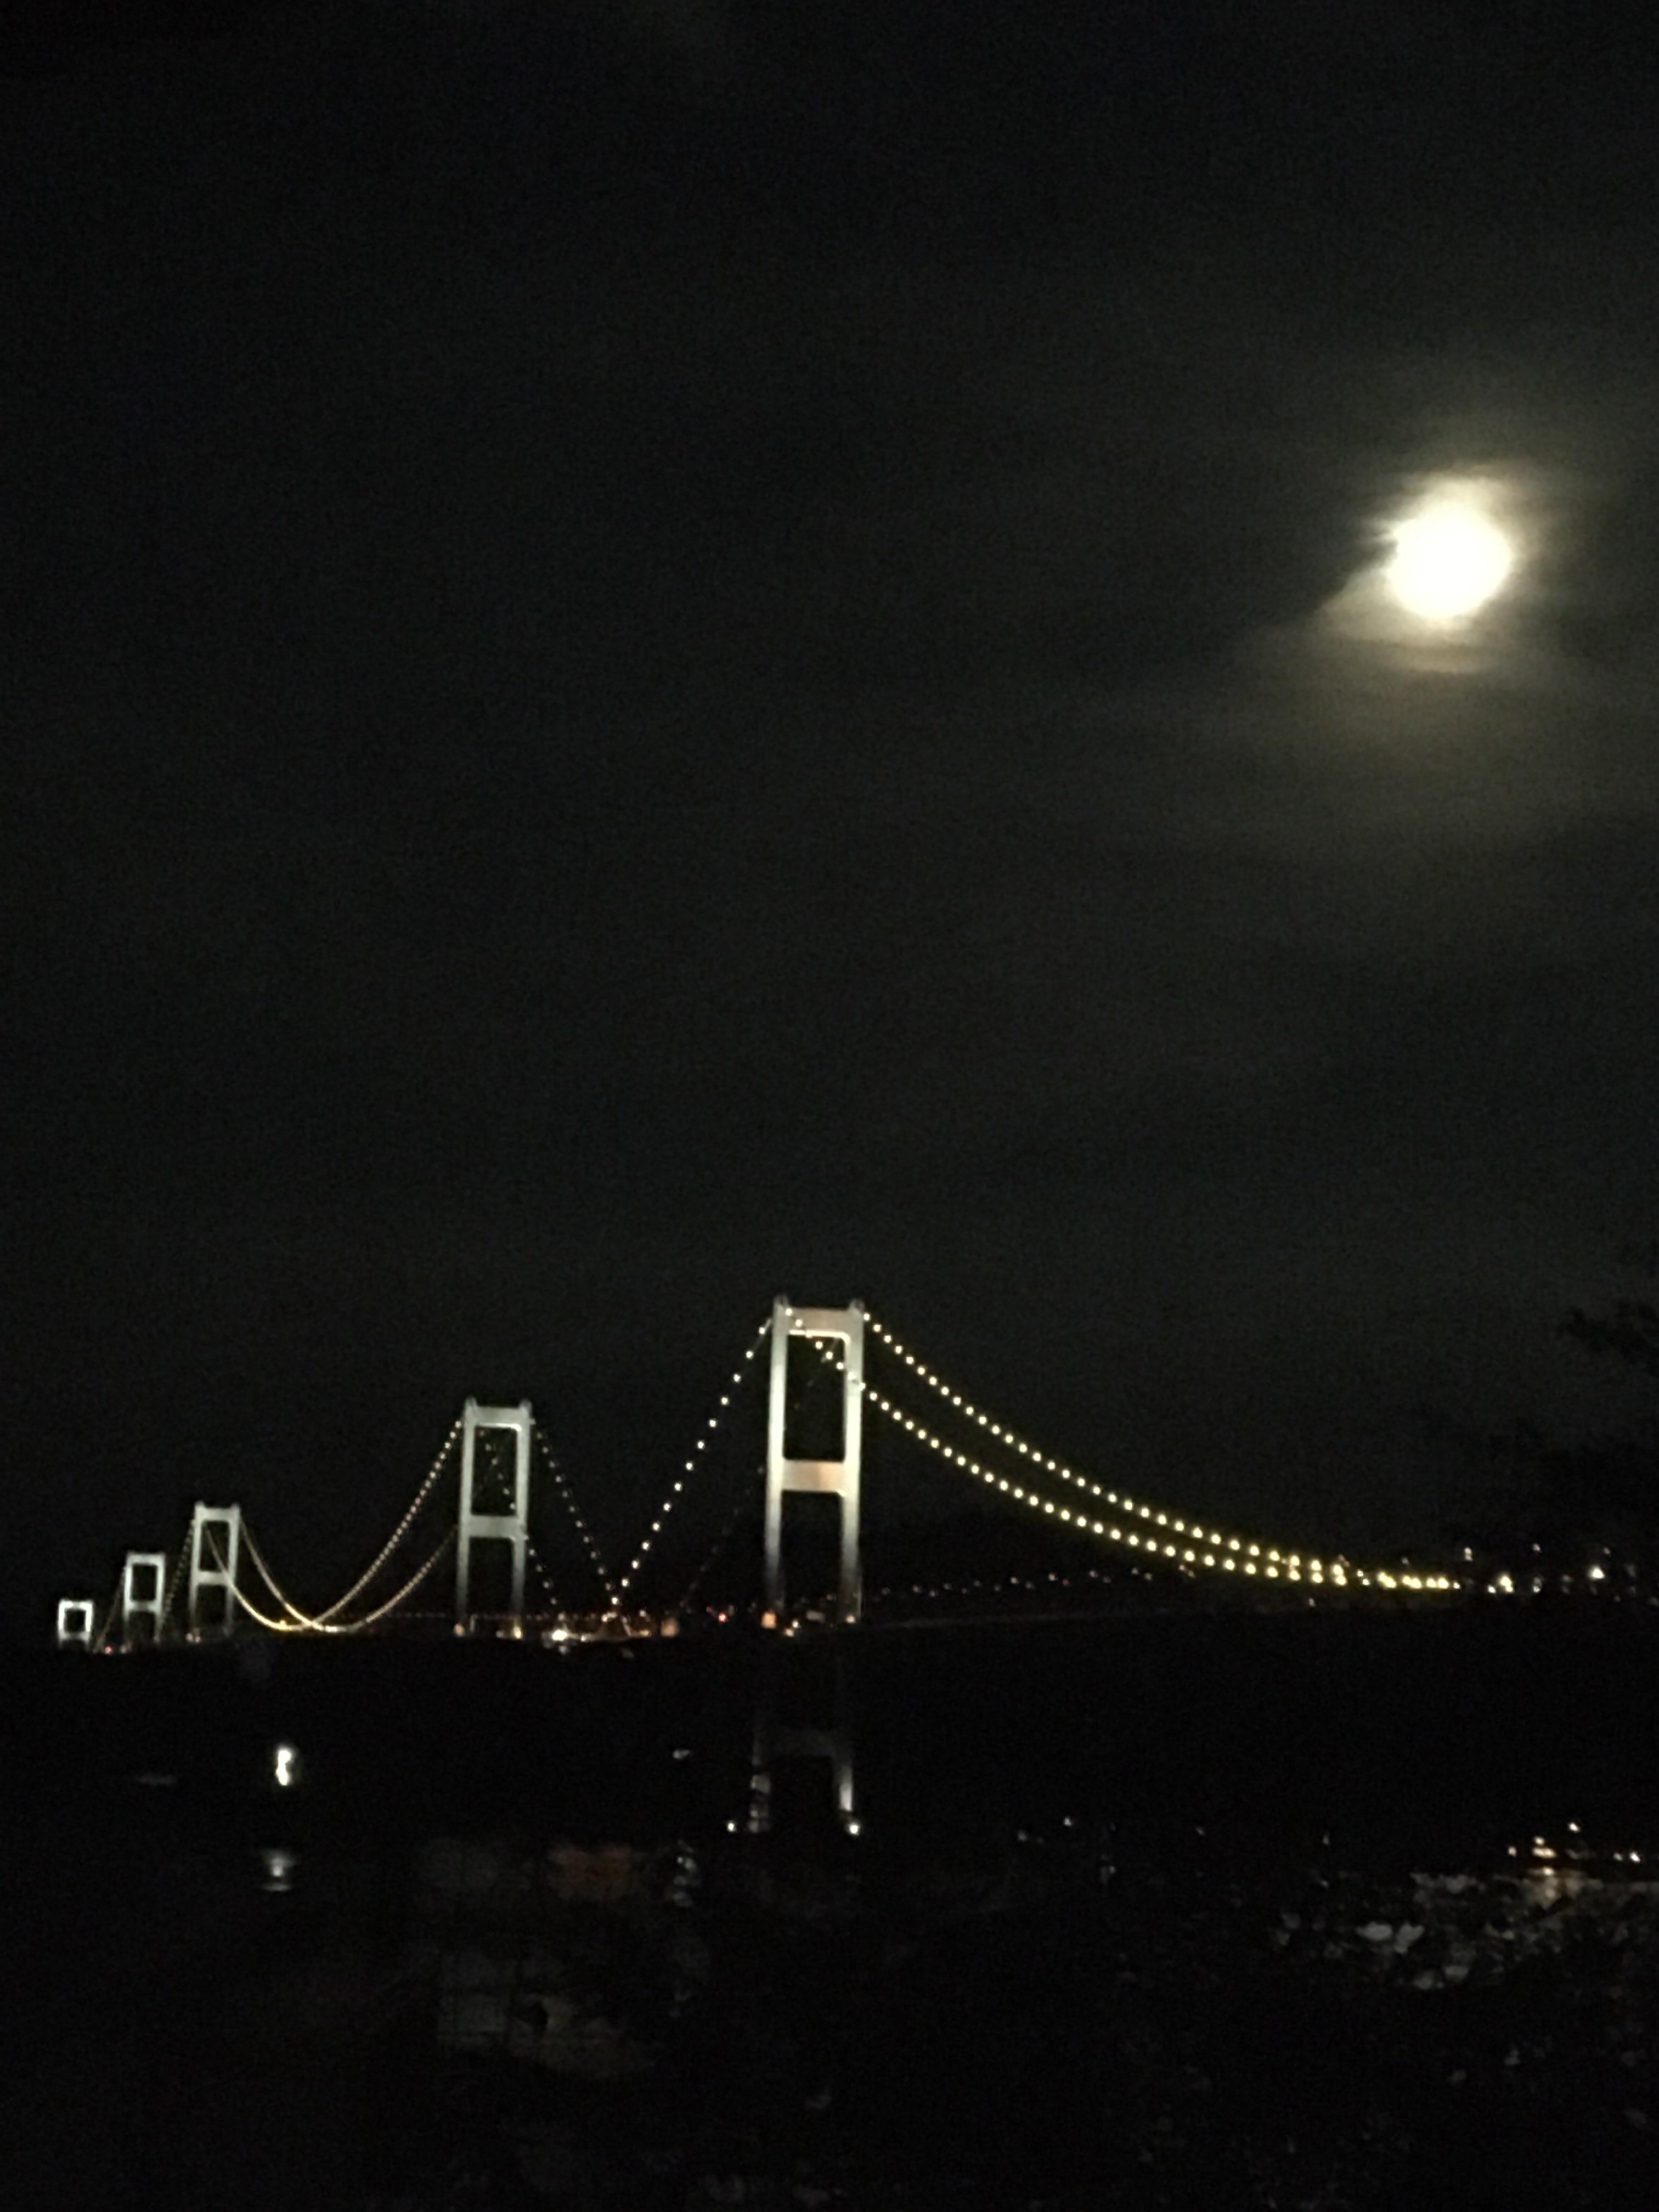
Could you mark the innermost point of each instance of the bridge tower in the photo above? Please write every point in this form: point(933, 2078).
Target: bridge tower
point(510, 1527)
point(832, 1478)
point(134, 1608)
point(77, 1623)
point(215, 1547)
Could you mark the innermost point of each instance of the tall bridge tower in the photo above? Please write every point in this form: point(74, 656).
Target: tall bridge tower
point(835, 1478)
point(830, 1737)
point(215, 1548)
point(510, 1527)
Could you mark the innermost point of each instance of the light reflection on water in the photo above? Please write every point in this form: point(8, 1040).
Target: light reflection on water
point(276, 1865)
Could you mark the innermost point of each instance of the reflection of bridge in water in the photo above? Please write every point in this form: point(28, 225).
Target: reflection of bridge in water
point(818, 1390)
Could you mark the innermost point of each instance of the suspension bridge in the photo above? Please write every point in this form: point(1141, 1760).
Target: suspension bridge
point(500, 1461)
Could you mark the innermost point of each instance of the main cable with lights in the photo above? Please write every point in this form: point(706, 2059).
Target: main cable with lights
point(738, 1377)
point(1201, 1549)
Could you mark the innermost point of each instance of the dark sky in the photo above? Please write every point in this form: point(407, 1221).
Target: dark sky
point(656, 651)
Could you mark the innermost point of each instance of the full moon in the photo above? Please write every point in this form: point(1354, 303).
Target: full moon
point(1447, 561)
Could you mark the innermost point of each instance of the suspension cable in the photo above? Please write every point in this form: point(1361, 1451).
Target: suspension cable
point(1012, 1441)
point(172, 1589)
point(613, 1595)
point(350, 1628)
point(738, 1377)
point(1203, 1553)
point(324, 1620)
point(714, 1551)
point(548, 1590)
point(391, 1543)
point(300, 1619)
point(1208, 1550)
point(279, 1627)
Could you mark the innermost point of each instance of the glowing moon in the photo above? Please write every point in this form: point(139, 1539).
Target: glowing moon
point(1448, 561)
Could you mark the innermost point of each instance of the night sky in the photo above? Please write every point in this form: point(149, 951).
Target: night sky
point(653, 651)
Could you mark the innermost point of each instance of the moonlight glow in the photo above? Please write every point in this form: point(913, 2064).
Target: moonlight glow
point(1448, 561)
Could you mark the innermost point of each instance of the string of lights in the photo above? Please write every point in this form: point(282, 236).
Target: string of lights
point(713, 1552)
point(1011, 1440)
point(324, 1622)
point(402, 1528)
point(1201, 1549)
point(980, 1586)
point(172, 1592)
point(613, 1595)
point(409, 1589)
point(277, 1626)
point(300, 1619)
point(1229, 1555)
point(280, 1627)
point(711, 1430)
point(548, 1590)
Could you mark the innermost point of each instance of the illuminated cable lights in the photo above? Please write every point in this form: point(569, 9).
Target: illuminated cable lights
point(324, 1622)
point(172, 1592)
point(1118, 1501)
point(740, 1375)
point(317, 1625)
point(548, 1590)
point(712, 1554)
point(613, 1595)
point(1210, 1549)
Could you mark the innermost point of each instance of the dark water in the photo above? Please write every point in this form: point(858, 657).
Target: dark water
point(1305, 1912)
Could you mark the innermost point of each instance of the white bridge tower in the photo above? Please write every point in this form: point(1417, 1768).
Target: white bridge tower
point(835, 1478)
point(77, 1623)
point(136, 1565)
point(830, 1739)
point(512, 1527)
point(214, 1529)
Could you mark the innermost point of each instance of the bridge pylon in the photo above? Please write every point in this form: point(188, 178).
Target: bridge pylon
point(510, 1527)
point(220, 1528)
point(77, 1623)
point(134, 1608)
point(828, 1477)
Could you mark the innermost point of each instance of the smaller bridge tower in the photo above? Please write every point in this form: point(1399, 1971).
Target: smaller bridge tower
point(135, 1568)
point(77, 1623)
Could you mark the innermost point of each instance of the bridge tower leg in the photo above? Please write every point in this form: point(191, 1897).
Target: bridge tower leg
point(512, 1527)
point(834, 1478)
point(134, 1608)
point(77, 1623)
point(215, 1546)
